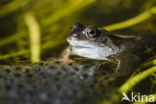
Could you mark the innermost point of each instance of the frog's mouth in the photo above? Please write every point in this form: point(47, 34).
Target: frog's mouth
point(84, 44)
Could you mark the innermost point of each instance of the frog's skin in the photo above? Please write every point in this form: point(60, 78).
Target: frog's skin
point(91, 42)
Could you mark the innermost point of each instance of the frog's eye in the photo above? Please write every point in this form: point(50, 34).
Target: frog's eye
point(91, 32)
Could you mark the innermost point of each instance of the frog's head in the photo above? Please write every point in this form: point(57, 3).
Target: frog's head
point(89, 41)
point(86, 36)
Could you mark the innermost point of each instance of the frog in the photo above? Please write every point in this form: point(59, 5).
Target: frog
point(128, 51)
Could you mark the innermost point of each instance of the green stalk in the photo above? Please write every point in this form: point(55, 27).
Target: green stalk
point(35, 35)
point(133, 21)
point(136, 79)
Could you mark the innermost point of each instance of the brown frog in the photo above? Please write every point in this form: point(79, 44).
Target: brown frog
point(128, 50)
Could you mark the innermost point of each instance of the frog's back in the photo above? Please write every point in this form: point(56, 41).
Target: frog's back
point(134, 42)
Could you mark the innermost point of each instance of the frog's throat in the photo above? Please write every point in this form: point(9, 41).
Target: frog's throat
point(97, 52)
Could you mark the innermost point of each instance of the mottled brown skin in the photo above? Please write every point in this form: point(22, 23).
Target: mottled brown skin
point(130, 58)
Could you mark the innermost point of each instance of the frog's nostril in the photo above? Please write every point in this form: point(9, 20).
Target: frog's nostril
point(74, 35)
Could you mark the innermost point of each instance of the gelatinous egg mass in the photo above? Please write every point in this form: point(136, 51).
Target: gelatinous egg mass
point(51, 83)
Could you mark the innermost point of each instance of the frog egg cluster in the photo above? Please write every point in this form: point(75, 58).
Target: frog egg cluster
point(49, 83)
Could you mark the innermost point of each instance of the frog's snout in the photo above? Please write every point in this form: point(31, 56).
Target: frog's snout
point(72, 36)
point(76, 32)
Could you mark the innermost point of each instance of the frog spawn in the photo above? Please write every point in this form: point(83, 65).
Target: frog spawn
point(50, 83)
